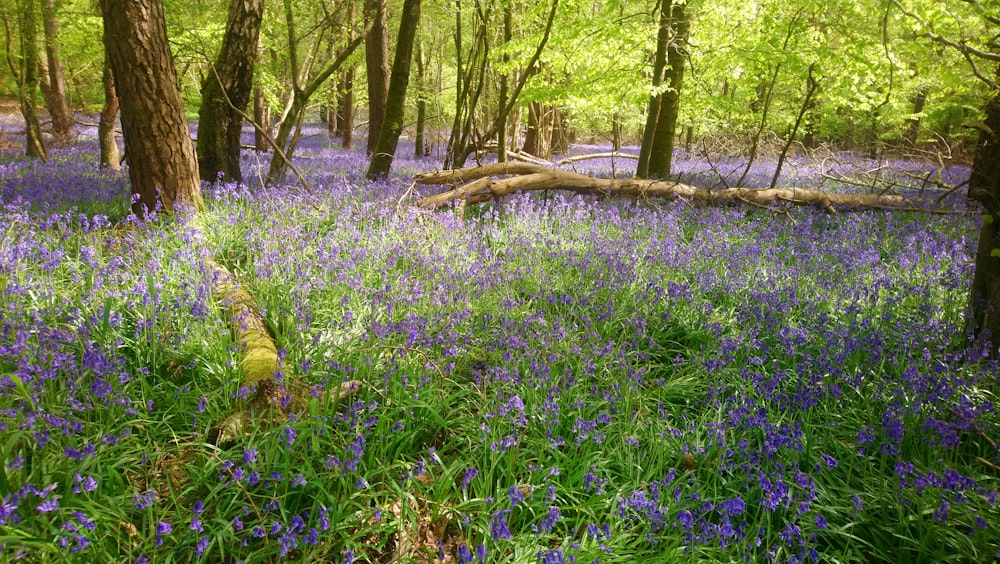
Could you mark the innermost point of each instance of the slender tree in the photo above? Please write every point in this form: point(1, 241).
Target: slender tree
point(163, 170)
point(304, 85)
point(24, 67)
point(376, 66)
point(419, 139)
point(656, 152)
point(106, 126)
point(392, 123)
point(345, 91)
point(55, 94)
point(226, 93)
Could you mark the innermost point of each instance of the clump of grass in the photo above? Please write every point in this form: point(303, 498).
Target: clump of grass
point(557, 379)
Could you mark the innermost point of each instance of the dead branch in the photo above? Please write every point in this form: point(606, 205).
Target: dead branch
point(475, 185)
point(614, 155)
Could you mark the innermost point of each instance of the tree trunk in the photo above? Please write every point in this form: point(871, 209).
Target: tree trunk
point(23, 66)
point(655, 105)
point(163, 169)
point(55, 95)
point(110, 157)
point(345, 92)
point(913, 124)
point(377, 67)
point(419, 143)
point(345, 109)
point(392, 124)
point(561, 133)
point(984, 187)
point(661, 154)
point(501, 122)
point(616, 132)
point(262, 116)
point(226, 92)
point(533, 134)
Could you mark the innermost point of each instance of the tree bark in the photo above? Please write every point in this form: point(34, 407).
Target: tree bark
point(655, 105)
point(561, 133)
point(262, 116)
point(662, 152)
point(533, 134)
point(345, 92)
point(501, 121)
point(377, 67)
point(110, 158)
point(163, 169)
point(984, 187)
point(345, 109)
point(219, 123)
point(913, 124)
point(392, 124)
point(55, 96)
point(419, 142)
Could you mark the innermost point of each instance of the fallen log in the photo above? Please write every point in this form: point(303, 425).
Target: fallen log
point(477, 184)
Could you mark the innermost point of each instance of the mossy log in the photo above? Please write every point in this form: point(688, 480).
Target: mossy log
point(475, 185)
point(260, 355)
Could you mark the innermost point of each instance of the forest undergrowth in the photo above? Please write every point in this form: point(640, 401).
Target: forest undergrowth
point(552, 378)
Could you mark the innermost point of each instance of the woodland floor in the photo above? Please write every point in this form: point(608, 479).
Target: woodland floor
point(552, 378)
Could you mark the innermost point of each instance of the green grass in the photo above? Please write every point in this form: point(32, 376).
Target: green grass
point(620, 370)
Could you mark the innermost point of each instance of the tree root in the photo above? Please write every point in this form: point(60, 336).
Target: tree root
point(476, 185)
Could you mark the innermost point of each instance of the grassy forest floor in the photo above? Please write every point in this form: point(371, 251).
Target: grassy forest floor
point(554, 378)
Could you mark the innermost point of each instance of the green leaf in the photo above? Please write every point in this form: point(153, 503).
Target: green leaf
point(995, 252)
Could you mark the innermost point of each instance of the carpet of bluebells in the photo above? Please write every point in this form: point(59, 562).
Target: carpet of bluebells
point(553, 378)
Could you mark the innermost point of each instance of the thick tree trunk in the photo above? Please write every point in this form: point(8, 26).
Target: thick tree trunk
point(984, 187)
point(392, 124)
point(163, 169)
point(55, 95)
point(226, 92)
point(110, 158)
point(377, 67)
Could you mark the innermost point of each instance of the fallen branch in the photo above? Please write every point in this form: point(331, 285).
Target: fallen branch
point(614, 155)
point(475, 185)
